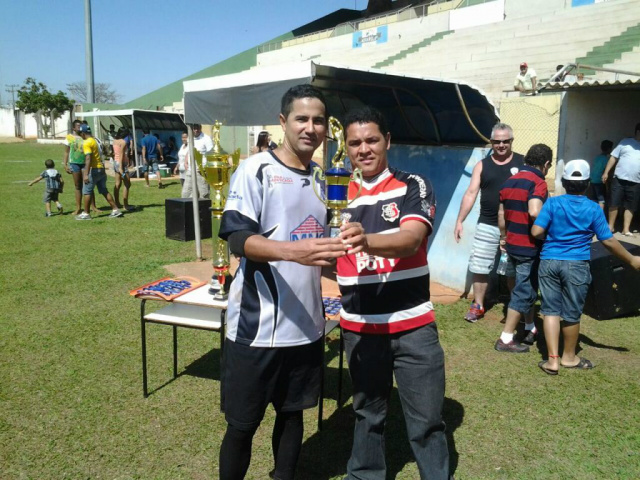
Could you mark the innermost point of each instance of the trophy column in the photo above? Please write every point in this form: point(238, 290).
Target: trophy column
point(217, 172)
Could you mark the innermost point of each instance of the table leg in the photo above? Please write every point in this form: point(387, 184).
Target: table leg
point(340, 362)
point(321, 399)
point(223, 318)
point(175, 351)
point(143, 335)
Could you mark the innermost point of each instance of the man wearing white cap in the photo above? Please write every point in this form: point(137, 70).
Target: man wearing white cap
point(569, 223)
point(527, 80)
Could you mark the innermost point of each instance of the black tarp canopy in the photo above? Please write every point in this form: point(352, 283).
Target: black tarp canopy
point(420, 111)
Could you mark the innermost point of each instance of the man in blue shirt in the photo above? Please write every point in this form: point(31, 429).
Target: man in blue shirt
point(569, 223)
point(151, 155)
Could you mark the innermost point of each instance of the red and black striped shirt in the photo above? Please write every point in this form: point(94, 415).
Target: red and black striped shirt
point(515, 194)
point(387, 295)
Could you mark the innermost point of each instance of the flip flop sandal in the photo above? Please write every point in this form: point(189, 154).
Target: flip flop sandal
point(546, 370)
point(583, 364)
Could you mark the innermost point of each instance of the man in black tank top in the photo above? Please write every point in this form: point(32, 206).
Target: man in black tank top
point(487, 177)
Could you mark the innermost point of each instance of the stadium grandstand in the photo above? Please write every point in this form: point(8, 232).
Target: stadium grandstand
point(474, 41)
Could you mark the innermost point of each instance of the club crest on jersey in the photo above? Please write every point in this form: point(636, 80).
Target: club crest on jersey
point(390, 212)
point(514, 170)
point(310, 228)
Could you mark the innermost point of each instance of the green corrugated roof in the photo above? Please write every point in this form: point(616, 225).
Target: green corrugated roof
point(173, 92)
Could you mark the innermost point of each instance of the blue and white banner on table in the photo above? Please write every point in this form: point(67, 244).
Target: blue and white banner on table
point(371, 36)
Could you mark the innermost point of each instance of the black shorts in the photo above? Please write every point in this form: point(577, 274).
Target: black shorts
point(252, 377)
point(625, 193)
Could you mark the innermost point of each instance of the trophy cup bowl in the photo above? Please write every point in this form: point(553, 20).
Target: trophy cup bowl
point(337, 179)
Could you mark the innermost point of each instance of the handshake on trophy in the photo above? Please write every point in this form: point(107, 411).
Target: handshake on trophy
point(337, 180)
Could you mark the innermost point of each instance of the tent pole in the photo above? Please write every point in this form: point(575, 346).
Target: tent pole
point(135, 142)
point(194, 195)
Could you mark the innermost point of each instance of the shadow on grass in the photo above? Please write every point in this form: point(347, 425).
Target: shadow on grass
point(207, 366)
point(326, 453)
point(587, 341)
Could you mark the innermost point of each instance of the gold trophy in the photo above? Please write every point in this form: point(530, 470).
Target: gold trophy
point(217, 171)
point(337, 180)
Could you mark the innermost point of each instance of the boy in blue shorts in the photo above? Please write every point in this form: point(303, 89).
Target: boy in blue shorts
point(569, 223)
point(54, 186)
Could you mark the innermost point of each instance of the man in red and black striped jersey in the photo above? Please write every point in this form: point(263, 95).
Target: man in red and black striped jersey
point(387, 317)
point(521, 199)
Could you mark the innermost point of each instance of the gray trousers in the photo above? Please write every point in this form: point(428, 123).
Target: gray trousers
point(203, 186)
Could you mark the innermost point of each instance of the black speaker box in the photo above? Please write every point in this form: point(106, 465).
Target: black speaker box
point(178, 214)
point(615, 288)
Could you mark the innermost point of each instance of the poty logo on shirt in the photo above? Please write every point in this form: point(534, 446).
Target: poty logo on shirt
point(274, 179)
point(310, 228)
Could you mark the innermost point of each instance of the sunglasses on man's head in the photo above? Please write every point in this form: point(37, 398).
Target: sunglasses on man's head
point(498, 142)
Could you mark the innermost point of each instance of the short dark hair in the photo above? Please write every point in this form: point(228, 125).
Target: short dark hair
point(538, 155)
point(196, 125)
point(76, 122)
point(606, 145)
point(300, 91)
point(575, 187)
point(49, 163)
point(145, 131)
point(366, 114)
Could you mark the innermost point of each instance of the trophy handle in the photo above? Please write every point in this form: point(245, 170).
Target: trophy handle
point(357, 175)
point(235, 160)
point(319, 174)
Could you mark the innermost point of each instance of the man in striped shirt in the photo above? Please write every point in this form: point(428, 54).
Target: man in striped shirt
point(387, 317)
point(521, 199)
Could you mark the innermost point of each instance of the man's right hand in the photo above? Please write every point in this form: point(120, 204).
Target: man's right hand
point(316, 252)
point(605, 177)
point(635, 262)
point(457, 233)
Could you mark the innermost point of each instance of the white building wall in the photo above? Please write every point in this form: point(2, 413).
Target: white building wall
point(7, 124)
point(29, 127)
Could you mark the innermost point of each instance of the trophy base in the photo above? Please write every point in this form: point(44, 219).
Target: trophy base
point(221, 296)
point(214, 285)
point(334, 232)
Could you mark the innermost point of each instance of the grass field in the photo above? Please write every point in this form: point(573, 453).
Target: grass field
point(71, 404)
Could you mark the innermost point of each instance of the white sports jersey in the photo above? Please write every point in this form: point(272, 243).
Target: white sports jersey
point(274, 304)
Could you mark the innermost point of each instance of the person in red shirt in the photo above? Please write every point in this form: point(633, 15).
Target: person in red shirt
point(387, 317)
point(521, 198)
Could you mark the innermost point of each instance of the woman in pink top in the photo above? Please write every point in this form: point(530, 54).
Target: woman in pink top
point(121, 168)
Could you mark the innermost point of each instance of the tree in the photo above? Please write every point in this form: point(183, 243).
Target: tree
point(102, 91)
point(34, 97)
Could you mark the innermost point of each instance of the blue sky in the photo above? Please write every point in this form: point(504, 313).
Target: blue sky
point(139, 45)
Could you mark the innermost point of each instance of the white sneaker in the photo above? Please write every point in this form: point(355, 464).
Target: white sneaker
point(116, 213)
point(59, 208)
point(83, 216)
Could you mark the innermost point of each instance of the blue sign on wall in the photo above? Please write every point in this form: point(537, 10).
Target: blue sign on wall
point(369, 37)
point(580, 3)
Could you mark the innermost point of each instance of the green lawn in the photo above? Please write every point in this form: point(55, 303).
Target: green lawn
point(71, 404)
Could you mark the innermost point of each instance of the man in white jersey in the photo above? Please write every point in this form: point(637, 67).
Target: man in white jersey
point(273, 350)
